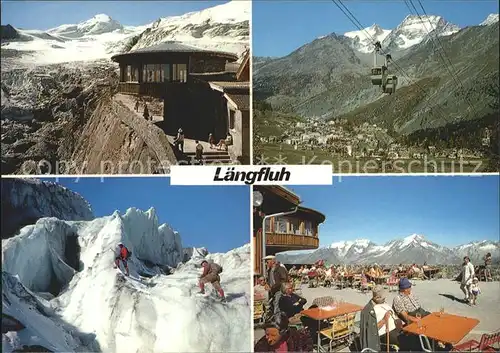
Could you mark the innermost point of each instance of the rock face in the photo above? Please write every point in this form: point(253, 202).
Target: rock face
point(8, 32)
point(60, 119)
point(24, 201)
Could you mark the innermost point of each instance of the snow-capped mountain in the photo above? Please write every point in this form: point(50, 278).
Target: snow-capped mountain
point(477, 250)
point(24, 201)
point(363, 40)
point(411, 249)
point(98, 24)
point(61, 292)
point(414, 29)
point(411, 31)
point(223, 27)
point(491, 19)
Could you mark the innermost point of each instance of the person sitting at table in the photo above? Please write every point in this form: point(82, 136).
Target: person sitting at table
point(376, 318)
point(261, 289)
point(407, 307)
point(281, 338)
point(290, 303)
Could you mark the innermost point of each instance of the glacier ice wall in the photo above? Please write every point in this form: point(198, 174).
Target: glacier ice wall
point(24, 201)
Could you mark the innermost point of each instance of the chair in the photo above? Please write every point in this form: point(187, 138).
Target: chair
point(425, 344)
point(484, 345)
point(392, 283)
point(341, 331)
point(297, 287)
point(258, 311)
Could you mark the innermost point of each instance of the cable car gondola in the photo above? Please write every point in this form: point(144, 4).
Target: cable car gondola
point(380, 74)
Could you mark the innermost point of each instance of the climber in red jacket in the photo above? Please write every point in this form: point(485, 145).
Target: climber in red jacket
point(122, 256)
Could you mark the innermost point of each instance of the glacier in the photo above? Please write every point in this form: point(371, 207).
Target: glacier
point(59, 282)
point(25, 200)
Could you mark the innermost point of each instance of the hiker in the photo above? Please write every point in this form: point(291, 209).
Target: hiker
point(474, 290)
point(211, 274)
point(123, 255)
point(137, 105)
point(467, 277)
point(199, 152)
point(211, 140)
point(377, 318)
point(179, 140)
point(146, 112)
point(279, 337)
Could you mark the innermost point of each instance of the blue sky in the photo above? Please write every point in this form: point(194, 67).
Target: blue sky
point(447, 210)
point(280, 27)
point(215, 217)
point(49, 14)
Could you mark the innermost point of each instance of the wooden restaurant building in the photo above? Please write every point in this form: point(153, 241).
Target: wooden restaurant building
point(203, 91)
point(297, 230)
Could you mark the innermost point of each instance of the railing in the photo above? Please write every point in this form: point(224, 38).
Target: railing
point(292, 240)
point(153, 89)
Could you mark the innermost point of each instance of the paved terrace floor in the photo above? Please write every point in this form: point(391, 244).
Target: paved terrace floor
point(487, 310)
point(129, 102)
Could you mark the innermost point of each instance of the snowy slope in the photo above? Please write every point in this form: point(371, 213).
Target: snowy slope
point(363, 40)
point(414, 29)
point(98, 24)
point(26, 200)
point(476, 250)
point(133, 314)
point(410, 32)
point(223, 27)
point(491, 19)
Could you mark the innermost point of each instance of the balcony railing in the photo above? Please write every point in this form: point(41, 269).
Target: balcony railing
point(292, 240)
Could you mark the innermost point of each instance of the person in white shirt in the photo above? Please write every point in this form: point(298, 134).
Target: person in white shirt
point(467, 277)
point(378, 320)
point(261, 289)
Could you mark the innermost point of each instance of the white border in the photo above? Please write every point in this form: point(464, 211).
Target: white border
point(250, 117)
point(341, 175)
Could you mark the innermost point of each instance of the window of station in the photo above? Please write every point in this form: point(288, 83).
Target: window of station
point(152, 73)
point(231, 119)
point(179, 73)
point(132, 74)
point(309, 228)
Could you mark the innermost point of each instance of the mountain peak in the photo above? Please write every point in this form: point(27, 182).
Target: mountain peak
point(491, 19)
point(101, 17)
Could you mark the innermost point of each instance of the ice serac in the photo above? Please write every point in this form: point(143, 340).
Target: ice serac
point(147, 312)
point(155, 243)
point(24, 201)
point(43, 328)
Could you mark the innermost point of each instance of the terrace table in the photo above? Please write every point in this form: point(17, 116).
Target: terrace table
point(328, 312)
point(447, 328)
